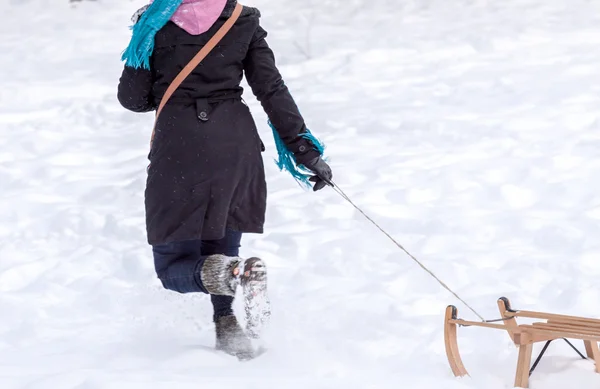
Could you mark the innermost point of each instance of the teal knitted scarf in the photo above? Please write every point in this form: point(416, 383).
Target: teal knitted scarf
point(141, 46)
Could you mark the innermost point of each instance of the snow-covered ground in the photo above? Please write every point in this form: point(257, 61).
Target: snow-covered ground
point(470, 129)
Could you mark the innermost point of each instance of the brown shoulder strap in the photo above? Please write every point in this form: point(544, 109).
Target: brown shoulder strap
point(210, 45)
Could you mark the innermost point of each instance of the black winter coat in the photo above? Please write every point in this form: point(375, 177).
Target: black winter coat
point(206, 172)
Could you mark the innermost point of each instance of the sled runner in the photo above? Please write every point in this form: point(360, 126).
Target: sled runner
point(552, 327)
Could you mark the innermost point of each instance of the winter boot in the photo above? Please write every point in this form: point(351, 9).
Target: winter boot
point(220, 274)
point(231, 338)
point(256, 299)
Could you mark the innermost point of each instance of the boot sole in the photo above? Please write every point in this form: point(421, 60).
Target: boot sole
point(256, 298)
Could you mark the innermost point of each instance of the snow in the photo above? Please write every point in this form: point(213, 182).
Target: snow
point(469, 129)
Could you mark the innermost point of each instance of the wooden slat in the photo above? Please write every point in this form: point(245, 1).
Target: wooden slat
point(557, 333)
point(551, 316)
point(576, 323)
point(568, 328)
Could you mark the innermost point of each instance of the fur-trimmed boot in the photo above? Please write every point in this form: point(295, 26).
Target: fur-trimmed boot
point(220, 274)
point(231, 338)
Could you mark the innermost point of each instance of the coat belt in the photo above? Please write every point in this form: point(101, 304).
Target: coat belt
point(204, 104)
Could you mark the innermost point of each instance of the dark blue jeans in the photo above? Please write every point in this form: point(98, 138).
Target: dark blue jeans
point(179, 265)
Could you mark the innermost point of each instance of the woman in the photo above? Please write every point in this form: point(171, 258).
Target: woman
point(206, 181)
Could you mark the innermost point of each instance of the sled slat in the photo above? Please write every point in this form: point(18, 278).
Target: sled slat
point(576, 322)
point(551, 316)
point(568, 328)
point(558, 333)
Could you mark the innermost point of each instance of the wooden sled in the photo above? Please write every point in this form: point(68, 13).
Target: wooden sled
point(552, 327)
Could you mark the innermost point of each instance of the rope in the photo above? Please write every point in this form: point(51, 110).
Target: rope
point(345, 197)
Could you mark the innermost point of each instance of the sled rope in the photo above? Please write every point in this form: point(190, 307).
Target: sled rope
point(345, 197)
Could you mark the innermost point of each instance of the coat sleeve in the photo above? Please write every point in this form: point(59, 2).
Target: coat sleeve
point(135, 90)
point(268, 87)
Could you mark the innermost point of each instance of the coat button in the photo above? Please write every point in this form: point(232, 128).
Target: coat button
point(302, 148)
point(203, 115)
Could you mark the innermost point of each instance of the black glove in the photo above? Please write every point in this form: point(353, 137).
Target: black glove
point(323, 173)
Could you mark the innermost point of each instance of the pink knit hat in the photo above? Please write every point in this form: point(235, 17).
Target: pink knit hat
point(198, 16)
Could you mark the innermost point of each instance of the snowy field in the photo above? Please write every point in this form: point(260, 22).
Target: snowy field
point(470, 129)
